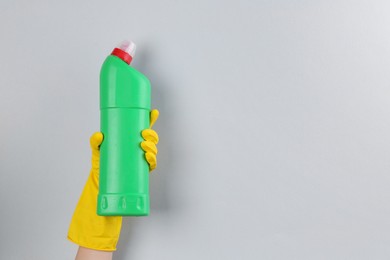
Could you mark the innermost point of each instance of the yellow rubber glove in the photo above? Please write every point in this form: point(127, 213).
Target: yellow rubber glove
point(89, 230)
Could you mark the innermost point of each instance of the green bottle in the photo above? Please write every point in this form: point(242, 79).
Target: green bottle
point(124, 112)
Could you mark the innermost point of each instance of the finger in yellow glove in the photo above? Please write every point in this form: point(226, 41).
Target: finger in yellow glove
point(89, 230)
point(151, 139)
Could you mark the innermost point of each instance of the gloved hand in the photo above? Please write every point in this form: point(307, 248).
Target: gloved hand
point(89, 230)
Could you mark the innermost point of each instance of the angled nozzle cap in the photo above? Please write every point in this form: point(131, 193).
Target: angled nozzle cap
point(128, 46)
point(125, 51)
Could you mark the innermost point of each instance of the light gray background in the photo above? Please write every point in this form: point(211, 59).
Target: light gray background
point(274, 127)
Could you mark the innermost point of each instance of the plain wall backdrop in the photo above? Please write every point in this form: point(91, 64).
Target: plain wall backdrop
point(274, 126)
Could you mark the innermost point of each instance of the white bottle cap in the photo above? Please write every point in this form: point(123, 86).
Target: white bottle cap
point(128, 46)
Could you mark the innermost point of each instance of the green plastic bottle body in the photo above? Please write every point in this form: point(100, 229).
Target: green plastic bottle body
point(124, 113)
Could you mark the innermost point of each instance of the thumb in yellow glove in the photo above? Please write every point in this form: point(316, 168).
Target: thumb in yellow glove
point(89, 230)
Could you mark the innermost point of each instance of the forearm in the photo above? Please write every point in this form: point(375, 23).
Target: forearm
point(90, 254)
